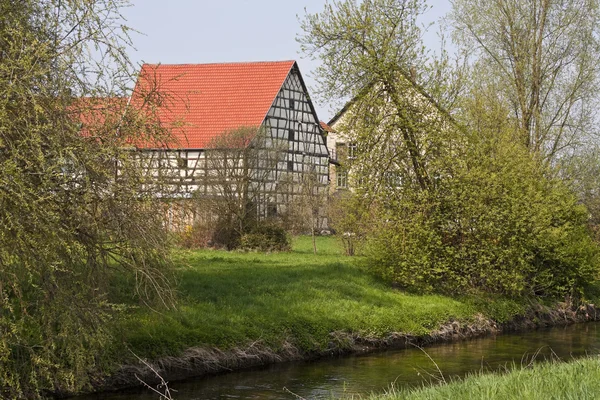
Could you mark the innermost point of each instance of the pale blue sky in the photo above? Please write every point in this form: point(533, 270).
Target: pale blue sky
point(204, 31)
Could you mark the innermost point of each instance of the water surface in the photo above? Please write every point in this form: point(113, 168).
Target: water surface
point(375, 372)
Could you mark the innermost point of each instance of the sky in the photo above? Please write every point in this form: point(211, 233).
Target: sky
point(209, 31)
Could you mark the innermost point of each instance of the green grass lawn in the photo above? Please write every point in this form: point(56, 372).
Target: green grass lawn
point(578, 379)
point(232, 299)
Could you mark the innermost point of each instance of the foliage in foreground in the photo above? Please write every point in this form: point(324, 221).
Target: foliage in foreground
point(68, 219)
point(578, 379)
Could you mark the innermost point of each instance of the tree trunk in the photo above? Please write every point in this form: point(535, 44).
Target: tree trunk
point(314, 238)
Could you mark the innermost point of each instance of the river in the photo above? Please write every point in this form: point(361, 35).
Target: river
point(375, 372)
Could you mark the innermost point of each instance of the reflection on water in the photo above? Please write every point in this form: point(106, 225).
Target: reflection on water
point(375, 372)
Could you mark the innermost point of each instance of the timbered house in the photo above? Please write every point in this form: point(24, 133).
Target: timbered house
point(201, 102)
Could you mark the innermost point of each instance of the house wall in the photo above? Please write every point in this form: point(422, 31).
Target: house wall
point(425, 115)
point(292, 119)
point(291, 128)
point(337, 144)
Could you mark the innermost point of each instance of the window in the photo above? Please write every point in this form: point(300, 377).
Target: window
point(271, 210)
point(292, 104)
point(351, 150)
point(342, 179)
point(290, 165)
point(291, 135)
point(340, 150)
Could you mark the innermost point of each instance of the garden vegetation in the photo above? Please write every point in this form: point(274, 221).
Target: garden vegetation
point(282, 301)
point(460, 191)
point(75, 208)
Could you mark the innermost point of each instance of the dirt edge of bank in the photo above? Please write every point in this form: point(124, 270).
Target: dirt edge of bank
point(197, 362)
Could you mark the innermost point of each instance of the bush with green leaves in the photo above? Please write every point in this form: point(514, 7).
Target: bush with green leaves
point(266, 237)
point(499, 224)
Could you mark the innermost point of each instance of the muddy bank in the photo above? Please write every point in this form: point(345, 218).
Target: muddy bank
point(204, 361)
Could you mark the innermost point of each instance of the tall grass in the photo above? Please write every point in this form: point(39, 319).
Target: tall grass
point(578, 379)
point(232, 299)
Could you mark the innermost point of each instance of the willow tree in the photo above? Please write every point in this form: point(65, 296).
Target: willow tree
point(74, 207)
point(453, 207)
point(542, 56)
point(371, 52)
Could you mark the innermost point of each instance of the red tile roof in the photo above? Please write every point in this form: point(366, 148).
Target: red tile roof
point(99, 107)
point(202, 101)
point(325, 127)
point(99, 115)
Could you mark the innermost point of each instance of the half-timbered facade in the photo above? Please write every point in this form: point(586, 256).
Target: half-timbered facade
point(202, 102)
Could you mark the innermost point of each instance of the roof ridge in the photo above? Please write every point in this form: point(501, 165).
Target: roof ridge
point(224, 63)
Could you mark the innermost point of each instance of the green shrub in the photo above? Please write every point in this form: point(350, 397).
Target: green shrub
point(266, 237)
point(499, 224)
point(226, 235)
point(208, 233)
point(199, 235)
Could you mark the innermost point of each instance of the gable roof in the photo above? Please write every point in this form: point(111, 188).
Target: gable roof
point(202, 101)
point(420, 89)
point(325, 127)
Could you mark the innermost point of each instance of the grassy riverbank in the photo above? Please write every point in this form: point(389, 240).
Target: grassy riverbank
point(234, 300)
point(578, 379)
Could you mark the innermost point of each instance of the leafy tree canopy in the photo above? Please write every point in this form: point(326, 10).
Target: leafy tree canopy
point(75, 208)
point(461, 202)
